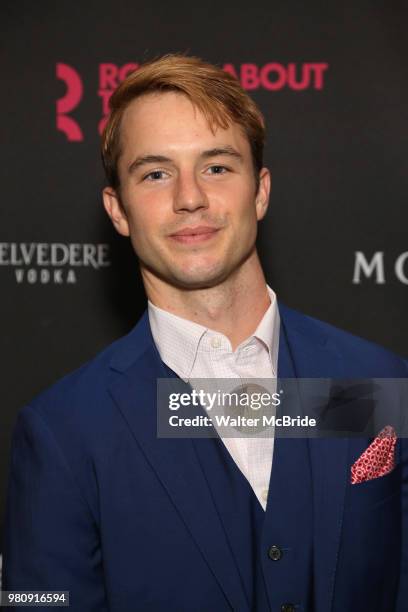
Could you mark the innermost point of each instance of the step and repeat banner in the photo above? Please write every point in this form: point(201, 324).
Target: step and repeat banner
point(332, 82)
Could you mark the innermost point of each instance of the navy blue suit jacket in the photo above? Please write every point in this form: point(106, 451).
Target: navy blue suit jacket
point(99, 506)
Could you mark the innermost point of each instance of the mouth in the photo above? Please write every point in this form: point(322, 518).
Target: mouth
point(194, 235)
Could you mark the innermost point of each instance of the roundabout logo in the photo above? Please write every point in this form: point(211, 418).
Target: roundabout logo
point(69, 101)
point(271, 76)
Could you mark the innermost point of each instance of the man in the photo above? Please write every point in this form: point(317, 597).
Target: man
point(124, 520)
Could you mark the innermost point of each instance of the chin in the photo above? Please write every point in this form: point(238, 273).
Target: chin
point(200, 279)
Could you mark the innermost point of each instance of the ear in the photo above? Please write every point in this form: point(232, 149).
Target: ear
point(115, 210)
point(262, 197)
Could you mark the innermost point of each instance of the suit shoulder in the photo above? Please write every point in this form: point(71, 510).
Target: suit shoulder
point(85, 389)
point(353, 348)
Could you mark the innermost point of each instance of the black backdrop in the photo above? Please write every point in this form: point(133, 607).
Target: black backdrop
point(331, 79)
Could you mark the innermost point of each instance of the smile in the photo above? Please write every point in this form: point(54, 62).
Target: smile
point(194, 235)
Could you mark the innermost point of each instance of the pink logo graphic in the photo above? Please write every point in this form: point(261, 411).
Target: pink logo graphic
point(271, 76)
point(110, 75)
point(68, 102)
point(274, 76)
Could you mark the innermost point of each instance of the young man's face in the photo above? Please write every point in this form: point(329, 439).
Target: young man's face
point(188, 195)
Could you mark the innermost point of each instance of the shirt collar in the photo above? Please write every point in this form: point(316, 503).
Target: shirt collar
point(178, 339)
point(268, 330)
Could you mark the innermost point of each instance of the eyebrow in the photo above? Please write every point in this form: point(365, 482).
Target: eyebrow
point(162, 159)
point(225, 150)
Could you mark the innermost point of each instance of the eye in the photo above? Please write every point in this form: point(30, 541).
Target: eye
point(218, 169)
point(155, 175)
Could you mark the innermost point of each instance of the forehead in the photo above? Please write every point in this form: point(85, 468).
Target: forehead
point(170, 120)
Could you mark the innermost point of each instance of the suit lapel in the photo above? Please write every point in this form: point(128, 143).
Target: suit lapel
point(313, 356)
point(137, 366)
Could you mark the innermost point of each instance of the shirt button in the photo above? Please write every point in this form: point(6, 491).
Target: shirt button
point(275, 553)
point(216, 342)
point(264, 495)
point(288, 607)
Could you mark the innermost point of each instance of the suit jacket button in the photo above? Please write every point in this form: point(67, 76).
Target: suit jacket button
point(288, 607)
point(275, 553)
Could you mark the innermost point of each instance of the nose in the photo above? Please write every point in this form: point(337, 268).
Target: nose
point(189, 195)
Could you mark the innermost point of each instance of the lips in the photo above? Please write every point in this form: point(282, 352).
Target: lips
point(190, 235)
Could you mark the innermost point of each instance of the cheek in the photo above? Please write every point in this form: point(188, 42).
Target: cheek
point(145, 215)
point(144, 225)
point(236, 200)
point(243, 209)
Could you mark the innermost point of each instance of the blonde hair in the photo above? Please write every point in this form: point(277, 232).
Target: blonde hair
point(216, 93)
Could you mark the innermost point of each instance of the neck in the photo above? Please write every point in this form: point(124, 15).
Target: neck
point(233, 307)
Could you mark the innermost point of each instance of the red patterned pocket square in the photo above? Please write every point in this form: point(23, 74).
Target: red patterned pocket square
point(378, 459)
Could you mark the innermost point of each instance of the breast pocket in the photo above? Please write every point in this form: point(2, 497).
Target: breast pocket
point(375, 492)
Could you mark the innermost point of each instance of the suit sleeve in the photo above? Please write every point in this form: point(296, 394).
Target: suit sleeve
point(51, 538)
point(403, 585)
point(402, 602)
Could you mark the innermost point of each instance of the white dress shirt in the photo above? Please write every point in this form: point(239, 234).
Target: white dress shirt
point(194, 351)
